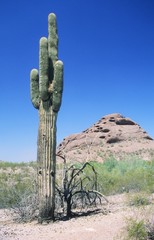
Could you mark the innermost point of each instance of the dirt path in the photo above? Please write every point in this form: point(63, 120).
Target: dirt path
point(98, 226)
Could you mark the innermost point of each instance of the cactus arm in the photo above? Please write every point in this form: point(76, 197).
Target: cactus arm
point(34, 86)
point(52, 38)
point(43, 66)
point(57, 86)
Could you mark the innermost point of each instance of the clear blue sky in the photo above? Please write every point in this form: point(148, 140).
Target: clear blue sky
point(107, 47)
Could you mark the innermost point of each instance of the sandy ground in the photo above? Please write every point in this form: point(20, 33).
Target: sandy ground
point(99, 226)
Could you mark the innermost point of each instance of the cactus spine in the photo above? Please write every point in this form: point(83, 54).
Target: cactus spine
point(46, 96)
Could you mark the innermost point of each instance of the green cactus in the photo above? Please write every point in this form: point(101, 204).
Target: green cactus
point(46, 96)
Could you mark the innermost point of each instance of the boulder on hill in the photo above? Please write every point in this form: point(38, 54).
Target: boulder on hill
point(113, 135)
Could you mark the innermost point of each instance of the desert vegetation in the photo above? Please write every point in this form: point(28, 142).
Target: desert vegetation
point(78, 188)
point(140, 225)
point(137, 229)
point(18, 189)
point(132, 177)
point(113, 177)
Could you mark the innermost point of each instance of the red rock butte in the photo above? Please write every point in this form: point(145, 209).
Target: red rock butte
point(113, 135)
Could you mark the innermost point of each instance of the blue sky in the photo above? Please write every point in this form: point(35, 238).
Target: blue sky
point(107, 47)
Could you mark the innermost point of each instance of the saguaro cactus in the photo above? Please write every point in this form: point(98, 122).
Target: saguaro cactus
point(46, 95)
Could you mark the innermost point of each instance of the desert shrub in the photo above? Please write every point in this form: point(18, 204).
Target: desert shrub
point(136, 230)
point(15, 182)
point(11, 193)
point(138, 199)
point(26, 208)
point(125, 176)
point(18, 190)
point(78, 189)
point(110, 164)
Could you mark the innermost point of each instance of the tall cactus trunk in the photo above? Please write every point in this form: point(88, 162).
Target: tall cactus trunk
point(46, 95)
point(46, 162)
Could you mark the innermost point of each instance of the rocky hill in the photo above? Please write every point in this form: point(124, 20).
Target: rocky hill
point(113, 135)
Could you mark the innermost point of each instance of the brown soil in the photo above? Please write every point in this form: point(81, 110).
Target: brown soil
point(97, 226)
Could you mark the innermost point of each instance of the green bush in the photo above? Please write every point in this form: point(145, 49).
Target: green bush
point(16, 180)
point(125, 176)
point(138, 199)
point(136, 230)
point(110, 164)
